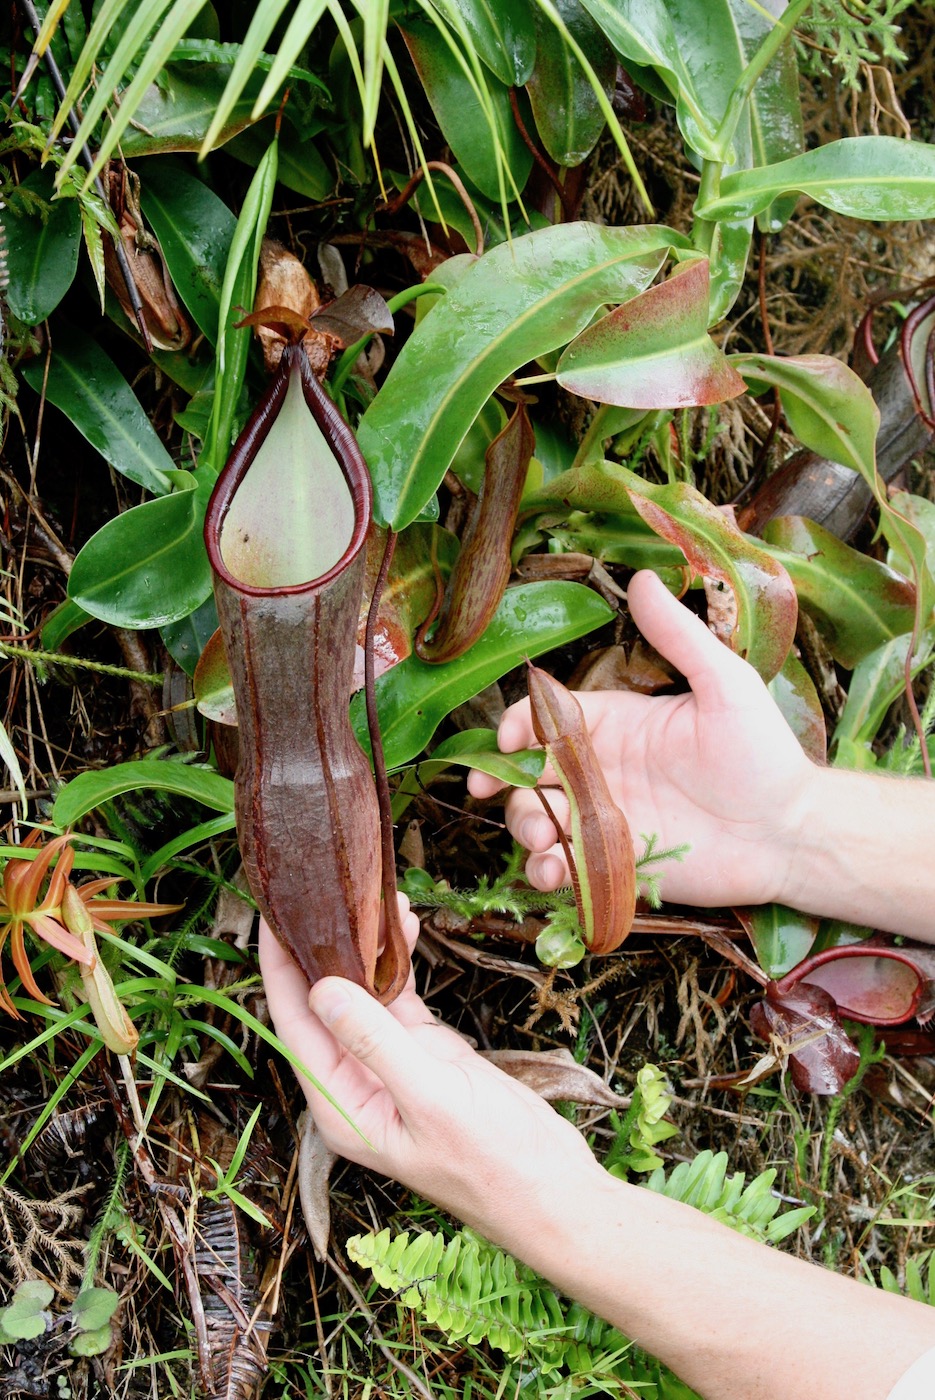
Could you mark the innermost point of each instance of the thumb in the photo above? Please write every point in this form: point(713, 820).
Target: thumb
point(709, 666)
point(370, 1033)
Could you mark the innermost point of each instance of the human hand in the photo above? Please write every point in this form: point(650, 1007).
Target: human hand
point(428, 1110)
point(717, 768)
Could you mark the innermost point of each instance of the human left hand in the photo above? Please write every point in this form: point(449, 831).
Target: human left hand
point(426, 1109)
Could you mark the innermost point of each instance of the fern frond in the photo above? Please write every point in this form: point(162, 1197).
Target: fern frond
point(751, 1209)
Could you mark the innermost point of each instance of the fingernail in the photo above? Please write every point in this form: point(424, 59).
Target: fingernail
point(328, 1002)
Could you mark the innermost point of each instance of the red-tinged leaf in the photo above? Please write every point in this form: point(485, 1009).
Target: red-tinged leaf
point(858, 603)
point(22, 879)
point(794, 692)
point(803, 1028)
point(410, 591)
point(880, 985)
point(214, 689)
point(654, 351)
point(21, 963)
point(765, 597)
point(49, 929)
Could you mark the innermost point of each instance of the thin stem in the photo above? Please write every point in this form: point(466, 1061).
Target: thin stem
point(349, 356)
point(569, 854)
point(393, 926)
point(58, 658)
point(593, 433)
point(760, 61)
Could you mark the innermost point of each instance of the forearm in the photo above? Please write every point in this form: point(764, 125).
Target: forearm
point(864, 852)
point(734, 1319)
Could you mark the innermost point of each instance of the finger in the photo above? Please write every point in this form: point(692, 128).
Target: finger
point(408, 920)
point(709, 666)
point(527, 821)
point(287, 989)
point(374, 1037)
point(548, 870)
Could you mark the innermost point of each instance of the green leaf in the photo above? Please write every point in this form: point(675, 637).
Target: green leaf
point(195, 230)
point(878, 680)
point(194, 836)
point(829, 407)
point(794, 692)
point(729, 254)
point(717, 39)
point(519, 301)
point(25, 1317)
point(781, 937)
point(471, 748)
point(147, 567)
point(857, 602)
point(186, 639)
point(94, 1307)
point(865, 177)
point(413, 698)
point(473, 111)
point(42, 257)
point(91, 789)
point(712, 545)
point(92, 1343)
point(61, 622)
point(642, 31)
point(152, 59)
point(502, 32)
point(238, 290)
point(92, 393)
point(568, 115)
point(654, 350)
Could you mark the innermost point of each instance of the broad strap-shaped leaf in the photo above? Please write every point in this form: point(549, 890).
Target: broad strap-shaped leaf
point(470, 748)
point(42, 256)
point(764, 597)
point(195, 230)
point(92, 393)
point(794, 692)
point(414, 698)
point(858, 603)
point(781, 936)
point(91, 789)
point(502, 32)
point(472, 109)
point(147, 567)
point(642, 31)
point(866, 177)
point(568, 115)
point(520, 301)
point(878, 680)
point(654, 351)
point(829, 407)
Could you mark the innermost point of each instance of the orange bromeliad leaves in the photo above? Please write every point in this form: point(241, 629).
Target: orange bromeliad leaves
point(21, 907)
point(604, 876)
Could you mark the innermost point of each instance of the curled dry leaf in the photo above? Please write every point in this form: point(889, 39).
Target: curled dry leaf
point(165, 320)
point(605, 873)
point(316, 1163)
point(555, 1075)
point(284, 282)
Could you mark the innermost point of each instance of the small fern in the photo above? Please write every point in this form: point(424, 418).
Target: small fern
point(642, 1126)
point(474, 1292)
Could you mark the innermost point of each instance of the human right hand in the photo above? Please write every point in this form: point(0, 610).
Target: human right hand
point(716, 768)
